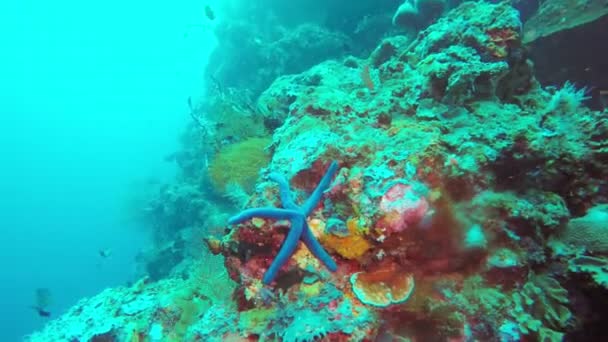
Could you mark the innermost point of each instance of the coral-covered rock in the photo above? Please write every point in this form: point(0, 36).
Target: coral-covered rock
point(165, 310)
point(424, 137)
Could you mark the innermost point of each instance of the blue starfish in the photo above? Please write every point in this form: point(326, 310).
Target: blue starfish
point(297, 217)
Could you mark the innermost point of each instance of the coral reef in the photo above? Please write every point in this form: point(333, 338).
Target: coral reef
point(281, 38)
point(447, 196)
point(589, 232)
point(441, 145)
point(146, 311)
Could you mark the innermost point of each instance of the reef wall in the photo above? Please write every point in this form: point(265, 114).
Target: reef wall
point(431, 191)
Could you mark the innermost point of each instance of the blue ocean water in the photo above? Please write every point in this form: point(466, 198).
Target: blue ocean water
point(91, 95)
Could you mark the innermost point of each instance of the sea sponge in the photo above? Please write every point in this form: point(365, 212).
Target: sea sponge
point(352, 247)
point(239, 163)
point(403, 207)
point(383, 287)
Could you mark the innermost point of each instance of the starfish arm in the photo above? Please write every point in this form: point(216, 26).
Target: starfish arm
point(284, 191)
point(317, 250)
point(271, 213)
point(316, 195)
point(287, 249)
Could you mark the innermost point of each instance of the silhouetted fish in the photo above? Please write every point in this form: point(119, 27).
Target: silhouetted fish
point(209, 13)
point(104, 253)
point(42, 302)
point(42, 312)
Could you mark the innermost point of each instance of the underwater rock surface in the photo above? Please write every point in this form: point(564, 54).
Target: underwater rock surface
point(468, 205)
point(560, 15)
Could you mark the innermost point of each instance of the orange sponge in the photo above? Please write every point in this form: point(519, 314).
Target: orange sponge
point(350, 247)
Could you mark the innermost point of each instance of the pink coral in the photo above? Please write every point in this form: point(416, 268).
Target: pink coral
point(402, 208)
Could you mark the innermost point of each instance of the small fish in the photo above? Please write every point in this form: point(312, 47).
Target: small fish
point(209, 13)
point(105, 253)
point(42, 301)
point(42, 312)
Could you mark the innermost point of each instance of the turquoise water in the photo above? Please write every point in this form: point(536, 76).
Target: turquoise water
point(92, 95)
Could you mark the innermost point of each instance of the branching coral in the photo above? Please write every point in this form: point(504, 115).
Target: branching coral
point(541, 304)
point(539, 308)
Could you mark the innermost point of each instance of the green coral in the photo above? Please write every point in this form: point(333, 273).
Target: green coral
point(589, 232)
point(289, 319)
point(541, 304)
point(307, 327)
point(451, 320)
point(538, 308)
point(526, 322)
point(189, 304)
point(537, 209)
point(476, 298)
point(548, 335)
point(216, 322)
point(595, 266)
point(256, 321)
point(308, 320)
